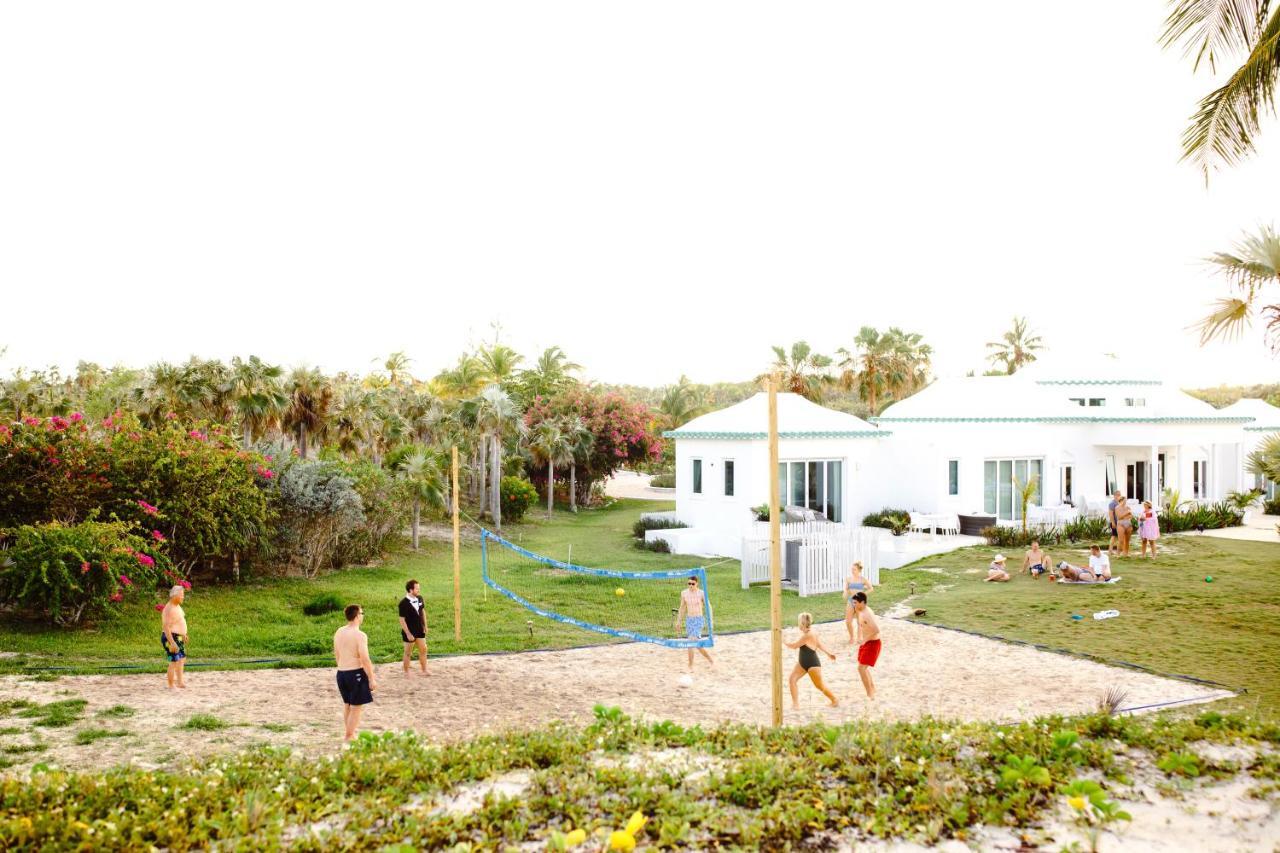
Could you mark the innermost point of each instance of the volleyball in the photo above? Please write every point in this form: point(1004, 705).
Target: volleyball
point(619, 592)
point(1208, 579)
point(686, 680)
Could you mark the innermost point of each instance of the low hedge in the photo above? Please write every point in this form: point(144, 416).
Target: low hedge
point(645, 524)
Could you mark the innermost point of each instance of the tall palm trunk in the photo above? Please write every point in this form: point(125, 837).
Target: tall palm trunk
point(551, 486)
point(481, 493)
point(248, 434)
point(495, 508)
point(573, 487)
point(415, 522)
point(302, 440)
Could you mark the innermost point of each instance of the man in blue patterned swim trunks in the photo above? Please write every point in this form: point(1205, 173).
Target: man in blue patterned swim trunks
point(694, 620)
point(173, 637)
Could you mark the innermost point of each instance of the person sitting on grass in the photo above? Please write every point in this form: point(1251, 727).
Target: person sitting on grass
point(1036, 562)
point(996, 572)
point(1099, 563)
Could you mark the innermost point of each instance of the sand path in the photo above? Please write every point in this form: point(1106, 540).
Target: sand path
point(923, 671)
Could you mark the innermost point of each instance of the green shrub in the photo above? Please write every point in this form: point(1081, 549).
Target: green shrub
point(1207, 516)
point(638, 529)
point(385, 514)
point(1271, 507)
point(518, 494)
point(1084, 529)
point(316, 505)
point(324, 603)
point(117, 712)
point(886, 518)
point(68, 572)
point(663, 481)
point(658, 546)
point(1087, 529)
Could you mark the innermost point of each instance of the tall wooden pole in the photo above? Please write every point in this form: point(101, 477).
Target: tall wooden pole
point(457, 560)
point(775, 556)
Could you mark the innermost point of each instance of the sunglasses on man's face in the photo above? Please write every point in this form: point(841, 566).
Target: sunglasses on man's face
point(693, 583)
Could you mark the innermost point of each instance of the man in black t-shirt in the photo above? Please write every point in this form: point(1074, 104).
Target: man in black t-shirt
point(413, 625)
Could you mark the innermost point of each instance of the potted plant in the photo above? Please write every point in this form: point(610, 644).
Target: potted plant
point(898, 527)
point(1244, 502)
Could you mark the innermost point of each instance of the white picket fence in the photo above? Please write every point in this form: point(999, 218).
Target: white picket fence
point(826, 552)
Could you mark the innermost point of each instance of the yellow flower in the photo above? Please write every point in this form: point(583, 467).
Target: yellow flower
point(573, 839)
point(637, 822)
point(619, 840)
point(1076, 803)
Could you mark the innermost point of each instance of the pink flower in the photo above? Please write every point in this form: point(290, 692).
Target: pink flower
point(117, 596)
point(197, 435)
point(124, 579)
point(185, 584)
point(145, 560)
point(58, 423)
point(159, 608)
point(268, 458)
point(31, 421)
point(265, 473)
point(157, 535)
point(84, 567)
point(76, 417)
point(148, 508)
point(171, 416)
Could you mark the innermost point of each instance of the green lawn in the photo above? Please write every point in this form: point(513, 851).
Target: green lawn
point(1170, 620)
point(264, 618)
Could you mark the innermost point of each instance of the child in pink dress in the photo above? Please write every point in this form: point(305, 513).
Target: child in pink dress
point(1149, 530)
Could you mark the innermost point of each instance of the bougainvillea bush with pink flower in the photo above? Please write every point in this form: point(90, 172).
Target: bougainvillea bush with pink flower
point(69, 573)
point(205, 496)
point(623, 431)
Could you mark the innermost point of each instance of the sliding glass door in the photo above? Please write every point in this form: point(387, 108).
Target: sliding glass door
point(813, 483)
point(1003, 481)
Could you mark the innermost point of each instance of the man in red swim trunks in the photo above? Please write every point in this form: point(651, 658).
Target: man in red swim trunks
point(868, 639)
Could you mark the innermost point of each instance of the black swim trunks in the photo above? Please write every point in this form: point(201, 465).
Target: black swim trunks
point(411, 611)
point(177, 641)
point(353, 685)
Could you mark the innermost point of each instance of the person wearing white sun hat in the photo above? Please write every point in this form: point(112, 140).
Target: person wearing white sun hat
point(996, 571)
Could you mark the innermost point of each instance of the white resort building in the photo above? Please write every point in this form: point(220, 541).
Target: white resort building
point(1266, 423)
point(955, 455)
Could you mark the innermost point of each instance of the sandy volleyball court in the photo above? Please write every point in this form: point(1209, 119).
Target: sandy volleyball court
point(923, 671)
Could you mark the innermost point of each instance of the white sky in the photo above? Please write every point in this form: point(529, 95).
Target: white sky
point(659, 187)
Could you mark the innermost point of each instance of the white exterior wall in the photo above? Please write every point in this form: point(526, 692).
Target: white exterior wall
point(720, 521)
point(911, 468)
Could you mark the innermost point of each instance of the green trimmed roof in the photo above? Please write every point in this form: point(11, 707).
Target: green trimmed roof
point(1083, 419)
point(1275, 428)
point(1099, 382)
point(761, 436)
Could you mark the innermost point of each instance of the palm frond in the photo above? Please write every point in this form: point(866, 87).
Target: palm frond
point(1222, 129)
point(1226, 321)
point(1213, 28)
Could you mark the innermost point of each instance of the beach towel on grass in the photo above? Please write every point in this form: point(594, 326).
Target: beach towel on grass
point(1090, 583)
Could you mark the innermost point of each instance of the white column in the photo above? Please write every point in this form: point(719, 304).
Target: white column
point(1153, 479)
point(1174, 477)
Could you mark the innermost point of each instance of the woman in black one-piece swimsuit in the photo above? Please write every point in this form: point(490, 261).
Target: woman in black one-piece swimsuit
point(809, 645)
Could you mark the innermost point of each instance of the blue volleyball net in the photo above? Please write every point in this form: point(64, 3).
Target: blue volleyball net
point(641, 606)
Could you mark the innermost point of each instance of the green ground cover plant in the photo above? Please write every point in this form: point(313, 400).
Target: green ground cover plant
point(117, 712)
point(205, 723)
point(85, 737)
point(925, 781)
point(55, 714)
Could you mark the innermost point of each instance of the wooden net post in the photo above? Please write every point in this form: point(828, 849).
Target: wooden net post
point(457, 559)
point(775, 556)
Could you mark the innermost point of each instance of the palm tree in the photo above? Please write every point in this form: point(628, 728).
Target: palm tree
point(496, 417)
point(397, 367)
point(1016, 348)
point(581, 441)
point(1266, 459)
point(350, 419)
point(499, 363)
point(802, 371)
point(421, 475)
point(257, 395)
point(551, 373)
point(310, 398)
point(680, 403)
point(461, 381)
point(1223, 128)
point(550, 446)
point(1253, 264)
point(885, 366)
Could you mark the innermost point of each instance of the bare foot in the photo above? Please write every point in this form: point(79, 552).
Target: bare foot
point(835, 703)
point(182, 685)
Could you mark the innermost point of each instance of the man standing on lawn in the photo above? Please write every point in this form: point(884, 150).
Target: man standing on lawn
point(355, 671)
point(868, 642)
point(413, 625)
point(173, 637)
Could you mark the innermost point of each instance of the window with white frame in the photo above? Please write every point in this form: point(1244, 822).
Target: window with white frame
point(697, 476)
point(1079, 401)
point(1135, 401)
point(1003, 480)
point(728, 478)
point(813, 483)
point(1097, 401)
point(953, 477)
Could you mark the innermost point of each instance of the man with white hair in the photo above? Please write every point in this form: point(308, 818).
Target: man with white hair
point(173, 636)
